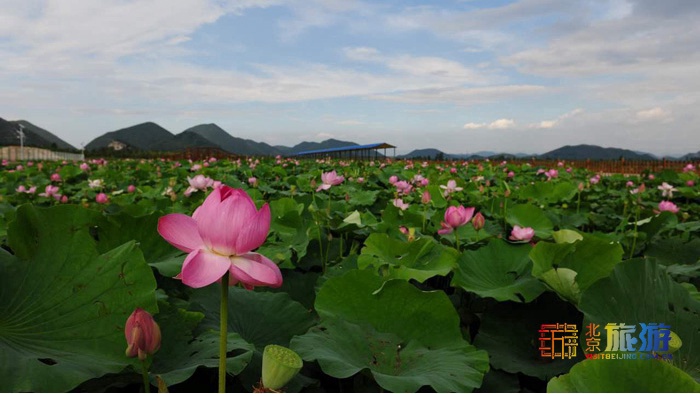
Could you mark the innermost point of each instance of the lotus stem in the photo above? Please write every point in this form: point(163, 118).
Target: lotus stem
point(223, 326)
point(144, 374)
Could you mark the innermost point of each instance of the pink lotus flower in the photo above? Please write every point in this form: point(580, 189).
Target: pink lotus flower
point(450, 188)
point(667, 190)
point(594, 180)
point(403, 187)
point(219, 237)
point(398, 203)
point(455, 217)
point(253, 181)
point(131, 189)
point(142, 334)
point(51, 191)
point(651, 177)
point(329, 179)
point(393, 179)
point(668, 206)
point(55, 177)
point(690, 183)
point(85, 167)
point(101, 198)
point(552, 173)
point(689, 168)
point(510, 174)
point(629, 184)
point(521, 233)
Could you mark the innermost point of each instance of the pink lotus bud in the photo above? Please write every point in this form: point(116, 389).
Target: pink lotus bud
point(453, 170)
point(629, 184)
point(101, 198)
point(426, 197)
point(511, 174)
point(253, 181)
point(651, 176)
point(690, 183)
point(142, 335)
point(64, 199)
point(393, 179)
point(478, 221)
point(456, 217)
point(21, 189)
point(131, 189)
point(85, 167)
point(55, 177)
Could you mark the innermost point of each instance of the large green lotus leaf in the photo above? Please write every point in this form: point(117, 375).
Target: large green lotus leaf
point(344, 349)
point(420, 259)
point(525, 215)
point(623, 376)
point(639, 291)
point(363, 198)
point(545, 192)
point(260, 318)
point(509, 333)
point(181, 354)
point(590, 259)
point(396, 312)
point(498, 270)
point(675, 250)
point(114, 230)
point(63, 305)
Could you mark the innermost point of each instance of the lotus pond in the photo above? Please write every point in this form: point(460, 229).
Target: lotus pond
point(398, 276)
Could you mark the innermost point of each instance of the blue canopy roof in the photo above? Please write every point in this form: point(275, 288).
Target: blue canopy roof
point(379, 145)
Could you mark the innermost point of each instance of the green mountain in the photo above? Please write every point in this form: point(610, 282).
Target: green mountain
point(145, 136)
point(327, 144)
point(185, 140)
point(426, 154)
point(232, 144)
point(33, 136)
point(594, 152)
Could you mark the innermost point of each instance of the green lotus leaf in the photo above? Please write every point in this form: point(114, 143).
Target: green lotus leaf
point(590, 259)
point(63, 304)
point(639, 291)
point(420, 259)
point(407, 338)
point(526, 215)
point(498, 270)
point(624, 376)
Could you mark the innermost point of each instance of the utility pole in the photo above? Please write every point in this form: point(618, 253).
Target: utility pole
point(20, 135)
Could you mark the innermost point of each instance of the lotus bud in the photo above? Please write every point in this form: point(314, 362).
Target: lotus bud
point(478, 221)
point(142, 334)
point(279, 366)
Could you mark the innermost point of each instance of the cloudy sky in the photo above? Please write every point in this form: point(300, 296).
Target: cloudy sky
point(458, 75)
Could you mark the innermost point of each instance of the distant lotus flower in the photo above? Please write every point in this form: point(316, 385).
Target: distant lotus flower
point(689, 168)
point(651, 177)
point(510, 174)
point(552, 173)
point(253, 181)
point(329, 179)
point(455, 217)
point(403, 187)
point(85, 167)
point(101, 198)
point(450, 188)
point(51, 191)
point(560, 164)
point(639, 189)
point(142, 334)
point(95, 183)
point(360, 179)
point(55, 177)
point(453, 170)
point(196, 167)
point(393, 179)
point(19, 168)
point(541, 171)
point(668, 206)
point(690, 183)
point(131, 189)
point(398, 203)
point(629, 184)
point(64, 199)
point(667, 190)
point(219, 237)
point(478, 221)
point(594, 180)
point(21, 189)
point(569, 169)
point(521, 234)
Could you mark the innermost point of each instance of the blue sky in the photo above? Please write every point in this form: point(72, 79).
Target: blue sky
point(460, 76)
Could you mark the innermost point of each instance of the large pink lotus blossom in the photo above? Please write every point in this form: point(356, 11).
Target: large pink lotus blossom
point(450, 188)
point(456, 217)
point(142, 334)
point(667, 190)
point(219, 237)
point(521, 233)
point(668, 206)
point(329, 179)
point(403, 187)
point(51, 191)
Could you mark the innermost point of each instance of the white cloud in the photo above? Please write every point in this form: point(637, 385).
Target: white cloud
point(463, 96)
point(654, 114)
point(548, 124)
point(498, 124)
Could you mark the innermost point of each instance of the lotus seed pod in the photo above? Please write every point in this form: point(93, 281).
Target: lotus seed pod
point(279, 366)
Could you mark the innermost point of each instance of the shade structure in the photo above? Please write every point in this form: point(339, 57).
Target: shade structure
point(368, 151)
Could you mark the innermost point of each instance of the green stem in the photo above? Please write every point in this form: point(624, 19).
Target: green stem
point(456, 240)
point(144, 373)
point(223, 326)
point(425, 213)
point(578, 204)
point(634, 241)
